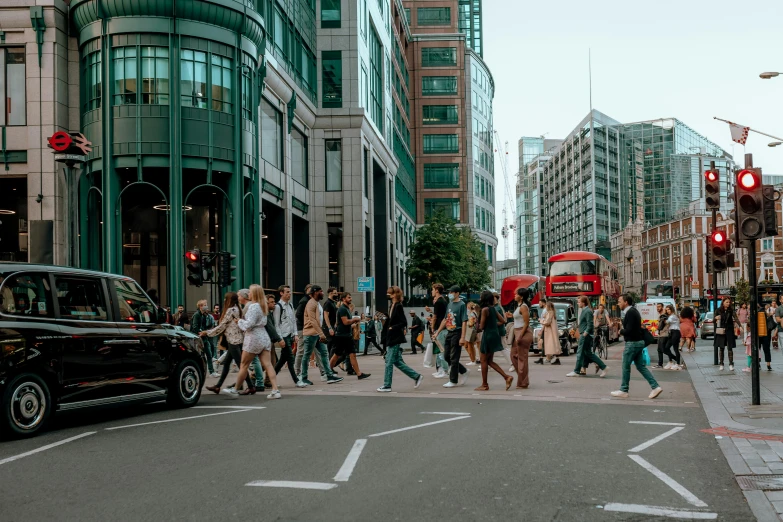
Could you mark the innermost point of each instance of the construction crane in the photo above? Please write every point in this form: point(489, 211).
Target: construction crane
point(508, 232)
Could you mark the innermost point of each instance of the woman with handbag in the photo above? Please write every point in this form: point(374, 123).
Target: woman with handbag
point(550, 334)
point(727, 329)
point(257, 341)
point(231, 340)
point(673, 342)
point(471, 333)
point(392, 339)
point(489, 320)
point(523, 338)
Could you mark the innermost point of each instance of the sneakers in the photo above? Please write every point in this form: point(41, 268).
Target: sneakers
point(364, 376)
point(384, 389)
point(721, 368)
point(556, 362)
point(471, 363)
point(512, 369)
point(464, 377)
point(214, 374)
point(731, 367)
point(656, 392)
point(748, 369)
point(440, 374)
point(324, 378)
point(676, 367)
point(418, 381)
point(301, 384)
point(333, 379)
point(231, 392)
point(450, 385)
point(539, 361)
point(620, 393)
point(572, 374)
point(603, 372)
point(658, 366)
point(274, 395)
point(306, 382)
point(668, 366)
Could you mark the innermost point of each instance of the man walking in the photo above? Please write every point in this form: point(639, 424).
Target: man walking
point(417, 328)
point(634, 349)
point(584, 352)
point(285, 322)
point(202, 321)
point(299, 315)
point(440, 306)
point(315, 338)
point(456, 323)
point(343, 336)
point(181, 317)
point(330, 317)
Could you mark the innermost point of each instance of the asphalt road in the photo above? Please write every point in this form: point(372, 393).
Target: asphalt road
point(501, 460)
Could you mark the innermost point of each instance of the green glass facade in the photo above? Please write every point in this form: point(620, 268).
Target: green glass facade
point(170, 94)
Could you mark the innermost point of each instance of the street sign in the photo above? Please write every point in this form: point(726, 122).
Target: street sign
point(60, 141)
point(366, 284)
point(70, 158)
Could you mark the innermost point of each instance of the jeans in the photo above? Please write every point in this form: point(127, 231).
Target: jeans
point(585, 355)
point(766, 341)
point(371, 341)
point(394, 358)
point(234, 352)
point(286, 357)
point(453, 352)
point(440, 358)
point(259, 371)
point(673, 343)
point(300, 355)
point(633, 352)
point(312, 342)
point(661, 345)
point(210, 349)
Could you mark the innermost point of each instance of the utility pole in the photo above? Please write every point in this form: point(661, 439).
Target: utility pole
point(714, 275)
point(754, 336)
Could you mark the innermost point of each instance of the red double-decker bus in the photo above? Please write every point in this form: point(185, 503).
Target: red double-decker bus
point(572, 274)
point(510, 284)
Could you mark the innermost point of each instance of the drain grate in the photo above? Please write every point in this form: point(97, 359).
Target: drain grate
point(762, 482)
point(733, 393)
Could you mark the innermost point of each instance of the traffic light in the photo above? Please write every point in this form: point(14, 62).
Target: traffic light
point(712, 189)
point(718, 249)
point(750, 207)
point(208, 261)
point(195, 267)
point(770, 214)
point(225, 268)
point(709, 254)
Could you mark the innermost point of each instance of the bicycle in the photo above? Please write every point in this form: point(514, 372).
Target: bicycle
point(601, 347)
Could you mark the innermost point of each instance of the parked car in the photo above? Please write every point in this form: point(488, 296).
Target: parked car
point(707, 326)
point(566, 324)
point(72, 339)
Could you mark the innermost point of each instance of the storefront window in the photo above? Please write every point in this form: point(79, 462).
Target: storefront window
point(154, 75)
point(193, 81)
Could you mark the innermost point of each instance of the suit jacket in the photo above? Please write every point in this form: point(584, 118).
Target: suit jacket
point(586, 321)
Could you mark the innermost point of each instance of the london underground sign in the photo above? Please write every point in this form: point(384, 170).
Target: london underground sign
point(70, 147)
point(60, 141)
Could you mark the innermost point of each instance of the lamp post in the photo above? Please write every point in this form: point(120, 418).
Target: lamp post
point(768, 75)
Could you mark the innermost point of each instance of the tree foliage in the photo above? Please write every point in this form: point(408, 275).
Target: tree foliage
point(443, 253)
point(742, 289)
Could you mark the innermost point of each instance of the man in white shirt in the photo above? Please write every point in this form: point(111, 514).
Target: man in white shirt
point(285, 324)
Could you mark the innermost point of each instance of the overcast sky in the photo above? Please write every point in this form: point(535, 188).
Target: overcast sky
point(689, 59)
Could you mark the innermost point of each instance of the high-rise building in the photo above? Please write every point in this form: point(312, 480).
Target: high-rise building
point(607, 174)
point(452, 116)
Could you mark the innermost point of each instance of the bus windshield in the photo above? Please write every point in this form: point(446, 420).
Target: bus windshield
point(659, 289)
point(572, 268)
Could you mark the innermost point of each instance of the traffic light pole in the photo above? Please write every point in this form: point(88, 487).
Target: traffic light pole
point(754, 336)
point(714, 291)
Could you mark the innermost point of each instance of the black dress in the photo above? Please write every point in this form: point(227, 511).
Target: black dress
point(727, 321)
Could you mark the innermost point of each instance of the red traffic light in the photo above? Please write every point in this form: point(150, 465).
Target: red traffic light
point(191, 256)
point(711, 175)
point(718, 237)
point(748, 180)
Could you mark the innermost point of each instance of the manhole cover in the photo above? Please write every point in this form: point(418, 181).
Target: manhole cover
point(765, 482)
point(730, 393)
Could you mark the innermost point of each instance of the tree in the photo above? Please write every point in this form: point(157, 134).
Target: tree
point(435, 255)
point(474, 267)
point(742, 288)
point(635, 296)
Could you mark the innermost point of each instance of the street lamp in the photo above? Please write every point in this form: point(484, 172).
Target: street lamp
point(768, 75)
point(775, 144)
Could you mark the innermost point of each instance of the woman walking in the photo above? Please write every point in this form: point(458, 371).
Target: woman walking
point(490, 320)
point(392, 339)
point(687, 329)
point(471, 333)
point(233, 341)
point(673, 342)
point(257, 341)
point(726, 331)
point(523, 337)
point(742, 315)
point(550, 334)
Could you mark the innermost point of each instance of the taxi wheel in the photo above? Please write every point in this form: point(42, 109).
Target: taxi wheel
point(26, 406)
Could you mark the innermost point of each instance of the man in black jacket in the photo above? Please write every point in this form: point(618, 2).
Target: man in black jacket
point(417, 327)
point(633, 335)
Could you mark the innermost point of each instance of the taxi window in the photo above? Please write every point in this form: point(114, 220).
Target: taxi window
point(26, 295)
point(81, 299)
point(135, 306)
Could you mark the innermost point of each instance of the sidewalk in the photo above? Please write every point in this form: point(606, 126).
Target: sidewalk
point(751, 437)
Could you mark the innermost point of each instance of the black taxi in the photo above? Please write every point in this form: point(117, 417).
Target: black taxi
point(73, 339)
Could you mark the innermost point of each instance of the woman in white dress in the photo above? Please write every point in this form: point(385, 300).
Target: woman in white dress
point(257, 341)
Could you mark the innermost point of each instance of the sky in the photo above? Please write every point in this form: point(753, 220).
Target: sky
point(688, 59)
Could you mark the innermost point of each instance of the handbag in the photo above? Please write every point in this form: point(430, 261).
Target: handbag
point(648, 337)
point(222, 343)
point(719, 330)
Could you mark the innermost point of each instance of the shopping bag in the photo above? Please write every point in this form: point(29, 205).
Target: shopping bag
point(645, 357)
point(420, 337)
point(428, 356)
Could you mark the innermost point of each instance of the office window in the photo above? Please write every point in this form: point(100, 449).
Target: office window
point(330, 14)
point(408, 15)
point(365, 88)
point(193, 79)
point(440, 143)
point(13, 86)
point(91, 73)
point(299, 157)
point(449, 206)
point(438, 56)
point(363, 20)
point(433, 16)
point(376, 80)
point(271, 135)
point(441, 175)
point(439, 114)
point(280, 33)
point(154, 75)
point(766, 244)
point(332, 79)
point(247, 96)
point(438, 85)
point(221, 84)
point(125, 87)
point(334, 165)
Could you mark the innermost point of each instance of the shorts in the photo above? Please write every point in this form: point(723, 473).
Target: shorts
point(343, 346)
